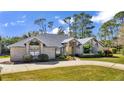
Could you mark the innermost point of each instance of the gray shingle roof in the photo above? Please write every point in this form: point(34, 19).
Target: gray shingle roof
point(85, 40)
point(82, 41)
point(67, 40)
point(51, 40)
point(48, 39)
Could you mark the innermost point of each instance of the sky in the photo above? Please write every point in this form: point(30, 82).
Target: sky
point(17, 23)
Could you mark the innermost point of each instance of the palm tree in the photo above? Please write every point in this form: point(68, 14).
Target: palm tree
point(85, 23)
point(67, 20)
point(61, 30)
point(50, 25)
point(75, 26)
point(41, 22)
point(31, 34)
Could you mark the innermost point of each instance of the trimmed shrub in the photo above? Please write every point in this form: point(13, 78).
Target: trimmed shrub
point(43, 57)
point(62, 57)
point(88, 56)
point(108, 53)
point(122, 51)
point(114, 50)
point(27, 58)
point(69, 58)
point(101, 53)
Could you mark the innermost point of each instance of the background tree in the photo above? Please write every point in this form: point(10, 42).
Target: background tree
point(41, 22)
point(105, 33)
point(119, 17)
point(31, 34)
point(80, 25)
point(61, 30)
point(67, 20)
point(75, 26)
point(85, 24)
point(50, 25)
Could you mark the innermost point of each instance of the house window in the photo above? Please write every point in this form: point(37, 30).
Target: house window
point(34, 48)
point(87, 48)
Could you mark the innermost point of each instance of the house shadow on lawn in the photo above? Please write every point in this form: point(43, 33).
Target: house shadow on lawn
point(96, 56)
point(38, 63)
point(47, 63)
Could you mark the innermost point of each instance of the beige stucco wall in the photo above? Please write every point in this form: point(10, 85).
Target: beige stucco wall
point(79, 50)
point(68, 49)
point(17, 53)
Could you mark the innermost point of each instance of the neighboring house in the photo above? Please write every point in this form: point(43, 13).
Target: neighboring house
point(52, 44)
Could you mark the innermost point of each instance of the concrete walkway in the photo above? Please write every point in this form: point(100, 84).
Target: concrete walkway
point(3, 60)
point(35, 66)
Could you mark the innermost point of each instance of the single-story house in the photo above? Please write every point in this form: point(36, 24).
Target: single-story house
point(52, 44)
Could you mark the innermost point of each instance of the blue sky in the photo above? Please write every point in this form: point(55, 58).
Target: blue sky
point(17, 23)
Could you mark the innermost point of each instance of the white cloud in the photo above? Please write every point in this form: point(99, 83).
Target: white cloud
point(57, 17)
point(6, 24)
point(24, 16)
point(61, 21)
point(20, 21)
point(103, 16)
point(12, 23)
point(55, 31)
point(66, 30)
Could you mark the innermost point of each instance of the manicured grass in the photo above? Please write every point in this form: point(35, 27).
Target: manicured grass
point(68, 73)
point(117, 58)
point(5, 56)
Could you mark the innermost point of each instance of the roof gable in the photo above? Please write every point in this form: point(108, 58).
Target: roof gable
point(50, 40)
point(85, 40)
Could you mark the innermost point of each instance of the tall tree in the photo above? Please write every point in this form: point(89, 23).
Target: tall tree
point(85, 23)
point(31, 34)
point(50, 25)
point(80, 25)
point(121, 35)
point(119, 17)
point(104, 32)
point(67, 20)
point(61, 30)
point(74, 26)
point(41, 22)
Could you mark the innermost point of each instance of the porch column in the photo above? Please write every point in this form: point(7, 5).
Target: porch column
point(91, 48)
point(27, 48)
point(41, 48)
point(62, 51)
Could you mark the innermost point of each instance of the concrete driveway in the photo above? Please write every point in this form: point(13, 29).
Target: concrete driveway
point(45, 65)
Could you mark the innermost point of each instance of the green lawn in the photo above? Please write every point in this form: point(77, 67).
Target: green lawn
point(5, 56)
point(68, 73)
point(117, 58)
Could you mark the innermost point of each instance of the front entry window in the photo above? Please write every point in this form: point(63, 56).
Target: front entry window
point(34, 48)
point(87, 48)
